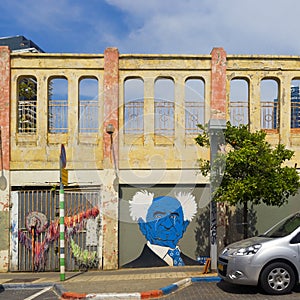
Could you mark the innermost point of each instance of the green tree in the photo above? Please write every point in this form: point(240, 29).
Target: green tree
point(248, 169)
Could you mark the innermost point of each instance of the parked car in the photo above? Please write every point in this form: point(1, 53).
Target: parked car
point(271, 260)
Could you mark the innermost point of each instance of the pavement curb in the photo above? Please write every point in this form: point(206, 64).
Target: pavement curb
point(143, 295)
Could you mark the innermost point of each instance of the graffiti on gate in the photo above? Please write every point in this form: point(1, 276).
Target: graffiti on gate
point(37, 223)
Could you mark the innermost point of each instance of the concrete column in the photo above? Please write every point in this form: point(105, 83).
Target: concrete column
point(149, 111)
point(5, 157)
point(284, 101)
point(179, 112)
point(254, 104)
point(73, 110)
point(110, 191)
point(42, 108)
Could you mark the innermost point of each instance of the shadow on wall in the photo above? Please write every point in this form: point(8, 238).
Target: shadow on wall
point(252, 223)
point(202, 232)
point(233, 228)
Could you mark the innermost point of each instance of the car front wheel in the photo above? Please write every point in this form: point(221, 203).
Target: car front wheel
point(277, 278)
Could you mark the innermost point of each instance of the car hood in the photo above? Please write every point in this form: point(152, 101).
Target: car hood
point(248, 242)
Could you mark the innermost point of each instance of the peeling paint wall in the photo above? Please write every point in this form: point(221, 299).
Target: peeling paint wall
point(5, 156)
point(148, 158)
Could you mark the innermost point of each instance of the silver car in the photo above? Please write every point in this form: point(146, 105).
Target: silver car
point(271, 260)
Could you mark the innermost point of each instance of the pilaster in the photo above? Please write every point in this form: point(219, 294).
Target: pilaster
point(110, 191)
point(4, 156)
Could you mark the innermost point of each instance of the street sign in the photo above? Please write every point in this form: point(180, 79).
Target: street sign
point(64, 176)
point(63, 156)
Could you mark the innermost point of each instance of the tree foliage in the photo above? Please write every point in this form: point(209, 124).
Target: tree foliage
point(249, 169)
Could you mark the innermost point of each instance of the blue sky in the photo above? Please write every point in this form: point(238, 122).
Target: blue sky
point(155, 26)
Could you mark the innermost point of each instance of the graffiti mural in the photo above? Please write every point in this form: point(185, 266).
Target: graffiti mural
point(163, 221)
point(37, 224)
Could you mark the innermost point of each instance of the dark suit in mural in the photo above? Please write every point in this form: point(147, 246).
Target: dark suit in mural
point(163, 221)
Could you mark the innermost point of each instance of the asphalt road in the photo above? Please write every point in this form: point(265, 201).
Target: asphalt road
point(28, 294)
point(226, 291)
point(196, 291)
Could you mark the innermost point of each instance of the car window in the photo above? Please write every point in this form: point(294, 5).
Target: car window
point(285, 227)
point(295, 239)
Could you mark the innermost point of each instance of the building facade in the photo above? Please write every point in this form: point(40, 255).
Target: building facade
point(127, 123)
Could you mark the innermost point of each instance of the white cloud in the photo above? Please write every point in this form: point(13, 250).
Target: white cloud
point(156, 26)
point(248, 26)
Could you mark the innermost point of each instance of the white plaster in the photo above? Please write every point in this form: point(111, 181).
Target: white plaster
point(162, 177)
point(14, 231)
point(4, 260)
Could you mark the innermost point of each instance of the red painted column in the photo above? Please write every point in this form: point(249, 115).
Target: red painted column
point(218, 84)
point(111, 100)
point(5, 103)
point(110, 185)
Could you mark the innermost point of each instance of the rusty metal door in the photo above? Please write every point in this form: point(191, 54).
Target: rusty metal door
point(82, 223)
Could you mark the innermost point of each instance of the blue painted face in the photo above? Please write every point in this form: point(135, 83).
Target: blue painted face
point(165, 223)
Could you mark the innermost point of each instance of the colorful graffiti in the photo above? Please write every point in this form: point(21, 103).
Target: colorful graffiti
point(37, 223)
point(163, 221)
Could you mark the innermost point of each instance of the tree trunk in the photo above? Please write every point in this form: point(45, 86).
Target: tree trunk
point(245, 221)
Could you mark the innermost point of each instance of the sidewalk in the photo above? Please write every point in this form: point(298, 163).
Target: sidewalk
point(131, 283)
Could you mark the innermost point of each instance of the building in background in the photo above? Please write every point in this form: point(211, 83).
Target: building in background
point(127, 123)
point(19, 43)
point(295, 107)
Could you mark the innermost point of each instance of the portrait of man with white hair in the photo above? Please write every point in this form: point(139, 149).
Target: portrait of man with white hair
point(163, 221)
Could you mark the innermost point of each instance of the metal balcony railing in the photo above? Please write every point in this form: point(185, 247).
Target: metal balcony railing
point(194, 114)
point(27, 116)
point(58, 116)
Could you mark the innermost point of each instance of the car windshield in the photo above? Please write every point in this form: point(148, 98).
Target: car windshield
point(285, 227)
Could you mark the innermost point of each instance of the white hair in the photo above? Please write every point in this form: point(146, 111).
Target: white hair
point(142, 200)
point(188, 204)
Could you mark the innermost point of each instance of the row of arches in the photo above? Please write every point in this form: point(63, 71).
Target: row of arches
point(269, 103)
point(134, 101)
point(164, 105)
point(88, 112)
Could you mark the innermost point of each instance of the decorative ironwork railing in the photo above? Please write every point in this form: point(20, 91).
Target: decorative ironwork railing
point(269, 116)
point(58, 116)
point(134, 117)
point(194, 114)
point(238, 113)
point(27, 116)
point(164, 118)
point(88, 116)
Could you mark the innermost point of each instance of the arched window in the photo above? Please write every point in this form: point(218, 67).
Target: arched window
point(164, 107)
point(269, 104)
point(239, 103)
point(88, 105)
point(27, 104)
point(134, 106)
point(58, 105)
point(295, 103)
point(194, 105)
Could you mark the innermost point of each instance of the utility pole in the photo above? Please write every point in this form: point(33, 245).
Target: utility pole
point(216, 129)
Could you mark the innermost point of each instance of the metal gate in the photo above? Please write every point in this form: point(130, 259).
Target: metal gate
point(82, 223)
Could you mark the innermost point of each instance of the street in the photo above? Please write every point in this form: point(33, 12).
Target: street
point(196, 291)
point(226, 291)
point(28, 294)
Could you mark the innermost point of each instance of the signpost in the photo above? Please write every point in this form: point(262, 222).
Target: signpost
point(63, 181)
